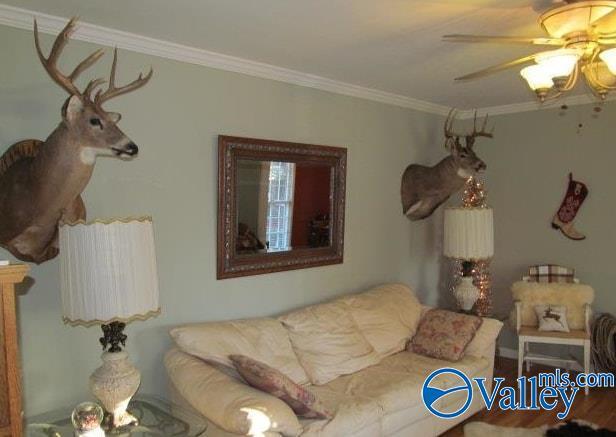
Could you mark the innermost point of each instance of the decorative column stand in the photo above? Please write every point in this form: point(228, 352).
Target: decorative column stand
point(10, 371)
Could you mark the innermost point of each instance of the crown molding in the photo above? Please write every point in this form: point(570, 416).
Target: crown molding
point(23, 18)
point(514, 108)
point(51, 24)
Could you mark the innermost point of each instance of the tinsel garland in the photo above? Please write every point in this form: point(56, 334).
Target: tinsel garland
point(475, 196)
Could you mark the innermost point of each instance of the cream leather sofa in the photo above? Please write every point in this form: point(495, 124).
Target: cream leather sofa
point(349, 351)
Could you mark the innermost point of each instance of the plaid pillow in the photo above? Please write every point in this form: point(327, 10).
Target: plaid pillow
point(550, 273)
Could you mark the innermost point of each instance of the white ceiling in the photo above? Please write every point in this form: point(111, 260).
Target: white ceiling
point(388, 45)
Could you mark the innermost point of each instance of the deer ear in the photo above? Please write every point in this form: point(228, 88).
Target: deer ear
point(115, 117)
point(72, 107)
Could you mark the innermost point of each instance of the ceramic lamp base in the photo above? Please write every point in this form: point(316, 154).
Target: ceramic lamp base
point(114, 384)
point(466, 294)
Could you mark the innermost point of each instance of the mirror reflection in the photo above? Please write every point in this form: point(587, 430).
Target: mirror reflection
point(282, 206)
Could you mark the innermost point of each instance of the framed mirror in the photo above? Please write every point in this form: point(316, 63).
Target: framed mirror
point(280, 206)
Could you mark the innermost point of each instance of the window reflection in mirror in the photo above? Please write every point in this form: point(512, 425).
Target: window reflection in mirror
point(282, 206)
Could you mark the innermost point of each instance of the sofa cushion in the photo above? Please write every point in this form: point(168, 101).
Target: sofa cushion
point(328, 342)
point(393, 385)
point(573, 296)
point(263, 339)
point(387, 316)
point(444, 334)
point(483, 342)
point(259, 375)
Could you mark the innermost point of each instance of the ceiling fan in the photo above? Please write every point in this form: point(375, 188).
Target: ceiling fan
point(584, 32)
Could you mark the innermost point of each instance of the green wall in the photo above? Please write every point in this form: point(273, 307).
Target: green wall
point(528, 165)
point(175, 120)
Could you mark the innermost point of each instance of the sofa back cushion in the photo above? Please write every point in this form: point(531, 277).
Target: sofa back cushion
point(263, 339)
point(572, 296)
point(387, 316)
point(328, 342)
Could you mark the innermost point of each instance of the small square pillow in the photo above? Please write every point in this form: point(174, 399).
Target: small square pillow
point(552, 317)
point(263, 377)
point(444, 334)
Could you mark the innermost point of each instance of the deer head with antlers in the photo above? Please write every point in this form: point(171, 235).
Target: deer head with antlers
point(424, 189)
point(41, 182)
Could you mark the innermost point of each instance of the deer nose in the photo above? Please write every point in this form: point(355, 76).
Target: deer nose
point(132, 149)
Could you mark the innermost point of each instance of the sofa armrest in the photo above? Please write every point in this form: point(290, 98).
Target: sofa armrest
point(483, 344)
point(229, 403)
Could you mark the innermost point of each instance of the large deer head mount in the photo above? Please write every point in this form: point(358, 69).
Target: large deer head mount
point(424, 189)
point(41, 182)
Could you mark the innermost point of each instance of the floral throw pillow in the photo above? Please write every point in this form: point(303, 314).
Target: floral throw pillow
point(265, 378)
point(552, 317)
point(444, 334)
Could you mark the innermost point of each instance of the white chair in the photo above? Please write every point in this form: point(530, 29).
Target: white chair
point(529, 294)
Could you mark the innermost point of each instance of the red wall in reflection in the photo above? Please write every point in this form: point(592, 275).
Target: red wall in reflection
point(311, 199)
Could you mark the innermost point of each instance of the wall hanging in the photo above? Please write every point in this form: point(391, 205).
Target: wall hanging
point(41, 181)
point(280, 206)
point(569, 207)
point(424, 189)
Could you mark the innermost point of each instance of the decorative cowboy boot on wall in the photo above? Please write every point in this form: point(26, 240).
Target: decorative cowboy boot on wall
point(563, 219)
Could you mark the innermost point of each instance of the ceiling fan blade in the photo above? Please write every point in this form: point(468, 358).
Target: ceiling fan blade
point(496, 68)
point(605, 24)
point(610, 41)
point(504, 40)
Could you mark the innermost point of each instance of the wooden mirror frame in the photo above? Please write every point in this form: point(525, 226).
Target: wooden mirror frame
point(230, 150)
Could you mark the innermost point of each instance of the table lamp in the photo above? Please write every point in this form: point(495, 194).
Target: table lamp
point(108, 277)
point(469, 238)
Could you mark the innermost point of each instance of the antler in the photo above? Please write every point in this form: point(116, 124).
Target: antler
point(49, 63)
point(113, 91)
point(482, 132)
point(451, 135)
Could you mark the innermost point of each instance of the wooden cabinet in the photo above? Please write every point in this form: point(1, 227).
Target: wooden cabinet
point(10, 373)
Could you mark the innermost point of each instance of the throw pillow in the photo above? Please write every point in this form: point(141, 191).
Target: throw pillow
point(270, 380)
point(444, 334)
point(552, 317)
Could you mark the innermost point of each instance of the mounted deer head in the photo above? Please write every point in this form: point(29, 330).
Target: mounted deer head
point(464, 156)
point(41, 182)
point(82, 112)
point(424, 189)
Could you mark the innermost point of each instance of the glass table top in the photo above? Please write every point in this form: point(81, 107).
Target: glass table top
point(156, 418)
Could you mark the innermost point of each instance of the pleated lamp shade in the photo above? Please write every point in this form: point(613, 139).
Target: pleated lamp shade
point(469, 233)
point(108, 271)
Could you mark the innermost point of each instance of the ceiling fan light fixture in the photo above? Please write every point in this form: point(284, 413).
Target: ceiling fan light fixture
point(559, 63)
point(538, 77)
point(609, 57)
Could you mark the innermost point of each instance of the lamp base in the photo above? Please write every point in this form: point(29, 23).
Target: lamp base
point(466, 294)
point(114, 384)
